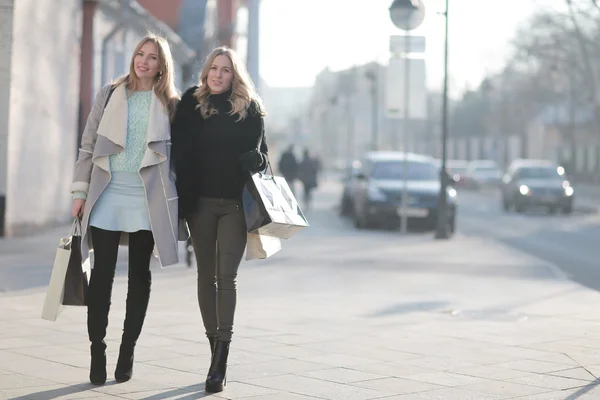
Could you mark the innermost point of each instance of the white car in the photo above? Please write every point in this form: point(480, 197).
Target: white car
point(482, 173)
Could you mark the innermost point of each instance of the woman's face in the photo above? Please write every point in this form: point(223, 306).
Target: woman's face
point(146, 62)
point(220, 75)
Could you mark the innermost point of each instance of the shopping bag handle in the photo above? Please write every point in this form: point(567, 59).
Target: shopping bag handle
point(269, 166)
point(76, 227)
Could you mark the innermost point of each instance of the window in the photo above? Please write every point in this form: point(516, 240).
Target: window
point(538, 173)
point(394, 170)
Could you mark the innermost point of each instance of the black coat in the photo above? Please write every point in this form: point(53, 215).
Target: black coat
point(206, 151)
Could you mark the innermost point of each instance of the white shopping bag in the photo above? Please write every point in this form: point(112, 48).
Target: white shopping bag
point(270, 207)
point(53, 304)
point(261, 247)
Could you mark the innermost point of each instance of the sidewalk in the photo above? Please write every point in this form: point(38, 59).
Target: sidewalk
point(338, 314)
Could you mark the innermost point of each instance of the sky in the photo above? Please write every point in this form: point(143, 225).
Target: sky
point(299, 38)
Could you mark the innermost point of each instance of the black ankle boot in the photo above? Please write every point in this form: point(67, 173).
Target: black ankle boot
point(216, 379)
point(124, 370)
point(98, 364)
point(212, 340)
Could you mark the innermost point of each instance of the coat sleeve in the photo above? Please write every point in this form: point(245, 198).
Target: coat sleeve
point(264, 149)
point(181, 140)
point(257, 126)
point(83, 168)
point(182, 148)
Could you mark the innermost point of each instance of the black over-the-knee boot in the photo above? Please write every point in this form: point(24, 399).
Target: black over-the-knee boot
point(97, 321)
point(106, 246)
point(141, 244)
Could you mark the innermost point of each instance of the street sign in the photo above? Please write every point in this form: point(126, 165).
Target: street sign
point(407, 14)
point(395, 88)
point(398, 44)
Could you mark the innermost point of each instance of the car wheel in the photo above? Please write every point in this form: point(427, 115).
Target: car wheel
point(568, 209)
point(520, 208)
point(345, 207)
point(505, 205)
point(452, 225)
point(359, 222)
point(552, 209)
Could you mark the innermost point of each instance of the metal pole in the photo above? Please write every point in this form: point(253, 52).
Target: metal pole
point(351, 139)
point(442, 222)
point(349, 132)
point(404, 199)
point(374, 110)
point(253, 41)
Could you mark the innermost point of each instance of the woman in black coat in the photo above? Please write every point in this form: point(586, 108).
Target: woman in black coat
point(218, 141)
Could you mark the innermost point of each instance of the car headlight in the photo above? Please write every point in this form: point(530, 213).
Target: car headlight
point(452, 193)
point(375, 194)
point(569, 191)
point(524, 190)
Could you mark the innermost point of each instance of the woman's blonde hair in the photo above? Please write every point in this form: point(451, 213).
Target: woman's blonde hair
point(164, 86)
point(243, 92)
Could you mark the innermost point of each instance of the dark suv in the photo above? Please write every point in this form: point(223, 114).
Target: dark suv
point(530, 183)
point(376, 191)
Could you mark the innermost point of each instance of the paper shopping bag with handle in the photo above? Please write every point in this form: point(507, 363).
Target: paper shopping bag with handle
point(259, 247)
point(69, 280)
point(270, 207)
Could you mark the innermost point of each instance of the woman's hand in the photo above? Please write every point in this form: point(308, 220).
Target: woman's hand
point(78, 207)
point(252, 160)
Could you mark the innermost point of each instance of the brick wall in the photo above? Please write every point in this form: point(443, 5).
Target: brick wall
point(166, 11)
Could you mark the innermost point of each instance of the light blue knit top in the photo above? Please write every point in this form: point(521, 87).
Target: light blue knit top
point(138, 114)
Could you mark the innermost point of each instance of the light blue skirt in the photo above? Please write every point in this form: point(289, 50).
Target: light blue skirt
point(122, 206)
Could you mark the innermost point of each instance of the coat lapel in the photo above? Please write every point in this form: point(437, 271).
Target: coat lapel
point(112, 131)
point(159, 132)
point(113, 125)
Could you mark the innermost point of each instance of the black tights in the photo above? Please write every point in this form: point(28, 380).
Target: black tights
point(106, 247)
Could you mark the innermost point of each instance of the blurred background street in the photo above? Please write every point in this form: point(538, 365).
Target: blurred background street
point(456, 145)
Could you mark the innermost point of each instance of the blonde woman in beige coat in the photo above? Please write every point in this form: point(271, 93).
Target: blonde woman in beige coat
point(125, 193)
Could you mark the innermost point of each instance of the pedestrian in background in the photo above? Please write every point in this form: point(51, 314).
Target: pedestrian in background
point(308, 174)
point(288, 166)
point(123, 189)
point(218, 140)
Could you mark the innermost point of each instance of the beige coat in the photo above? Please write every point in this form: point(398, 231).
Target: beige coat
point(105, 134)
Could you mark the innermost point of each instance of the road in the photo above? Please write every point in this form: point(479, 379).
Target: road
point(571, 242)
point(568, 242)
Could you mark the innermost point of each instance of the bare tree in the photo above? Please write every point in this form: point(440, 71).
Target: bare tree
point(555, 63)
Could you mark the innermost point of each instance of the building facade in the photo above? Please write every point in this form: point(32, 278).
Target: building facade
point(54, 57)
point(347, 117)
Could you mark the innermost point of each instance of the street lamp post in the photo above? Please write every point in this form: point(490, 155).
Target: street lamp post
point(442, 222)
point(406, 15)
point(372, 76)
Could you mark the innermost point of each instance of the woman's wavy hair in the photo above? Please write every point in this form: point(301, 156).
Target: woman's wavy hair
point(243, 92)
point(164, 85)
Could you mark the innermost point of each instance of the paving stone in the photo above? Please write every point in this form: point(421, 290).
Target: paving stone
point(550, 382)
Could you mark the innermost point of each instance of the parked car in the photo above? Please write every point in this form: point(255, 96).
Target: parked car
point(530, 183)
point(457, 170)
point(376, 197)
point(483, 173)
point(349, 183)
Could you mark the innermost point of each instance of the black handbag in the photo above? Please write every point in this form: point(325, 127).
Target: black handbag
point(76, 280)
